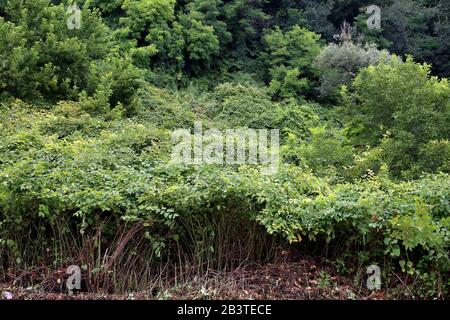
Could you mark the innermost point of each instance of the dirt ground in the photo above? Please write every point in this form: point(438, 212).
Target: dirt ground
point(301, 280)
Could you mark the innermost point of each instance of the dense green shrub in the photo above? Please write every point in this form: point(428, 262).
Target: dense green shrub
point(119, 171)
point(47, 59)
point(324, 151)
point(400, 107)
point(290, 56)
point(243, 106)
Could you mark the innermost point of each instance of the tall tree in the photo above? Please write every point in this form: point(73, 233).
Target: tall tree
point(289, 56)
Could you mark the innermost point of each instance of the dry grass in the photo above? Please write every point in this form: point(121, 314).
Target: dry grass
point(302, 280)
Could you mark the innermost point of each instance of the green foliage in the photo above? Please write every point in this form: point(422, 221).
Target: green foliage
point(289, 56)
point(420, 28)
point(112, 83)
point(325, 151)
point(180, 42)
point(47, 60)
point(435, 156)
point(202, 45)
point(339, 64)
point(244, 106)
point(86, 117)
point(402, 101)
point(245, 23)
point(118, 169)
point(164, 110)
point(209, 12)
point(152, 25)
